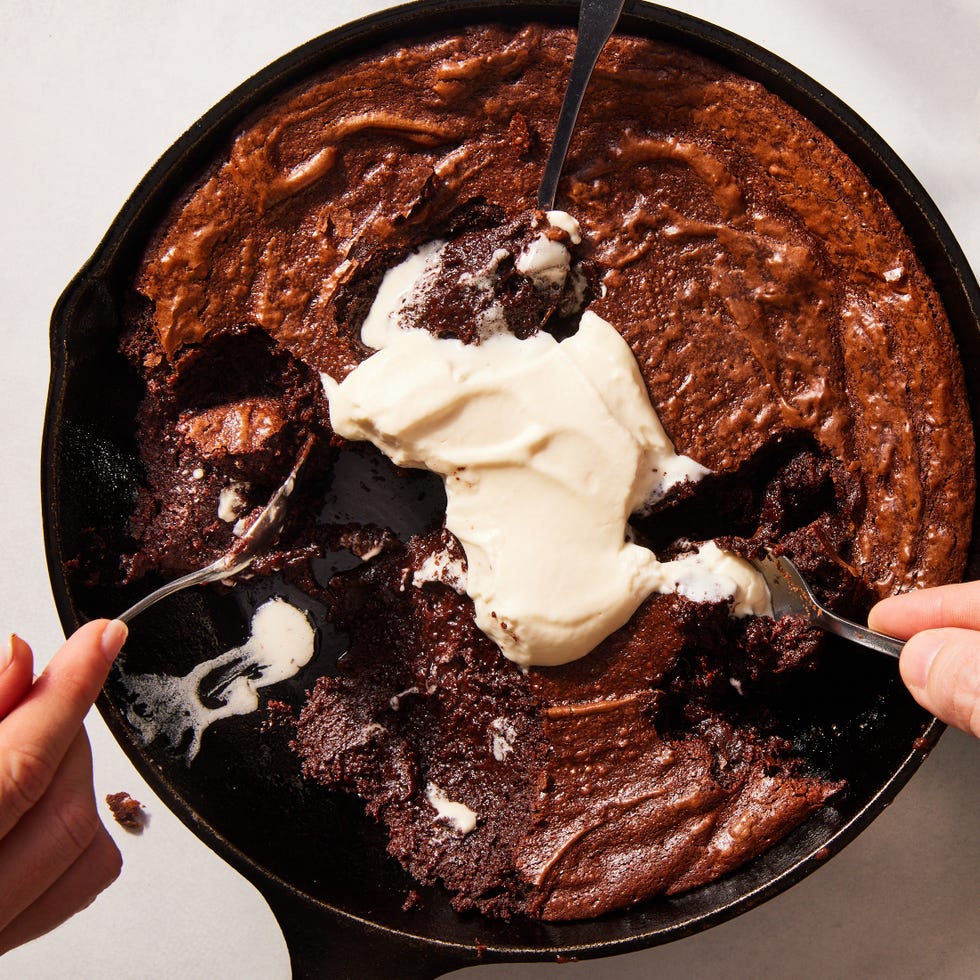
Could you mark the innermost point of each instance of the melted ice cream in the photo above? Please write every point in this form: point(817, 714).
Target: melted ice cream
point(458, 815)
point(180, 709)
point(231, 502)
point(546, 449)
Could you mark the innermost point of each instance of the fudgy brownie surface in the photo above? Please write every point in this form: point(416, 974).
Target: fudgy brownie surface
point(789, 340)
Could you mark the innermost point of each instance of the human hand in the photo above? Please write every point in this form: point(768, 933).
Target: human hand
point(940, 664)
point(55, 854)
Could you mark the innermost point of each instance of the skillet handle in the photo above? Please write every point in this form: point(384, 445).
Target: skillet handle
point(324, 945)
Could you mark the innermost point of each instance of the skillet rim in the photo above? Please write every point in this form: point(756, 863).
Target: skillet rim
point(174, 168)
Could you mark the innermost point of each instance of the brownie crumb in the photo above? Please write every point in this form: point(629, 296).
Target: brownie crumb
point(127, 812)
point(279, 715)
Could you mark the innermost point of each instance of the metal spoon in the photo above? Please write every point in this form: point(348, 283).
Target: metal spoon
point(597, 19)
point(791, 596)
point(257, 539)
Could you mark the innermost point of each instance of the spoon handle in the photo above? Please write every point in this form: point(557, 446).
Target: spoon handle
point(597, 18)
point(858, 634)
point(221, 569)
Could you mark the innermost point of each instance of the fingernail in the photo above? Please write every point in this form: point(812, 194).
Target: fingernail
point(113, 638)
point(917, 657)
point(7, 654)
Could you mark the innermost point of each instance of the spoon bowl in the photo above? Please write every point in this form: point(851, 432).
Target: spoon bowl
point(255, 541)
point(791, 596)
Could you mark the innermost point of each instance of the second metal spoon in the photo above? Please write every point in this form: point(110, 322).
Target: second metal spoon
point(791, 596)
point(257, 539)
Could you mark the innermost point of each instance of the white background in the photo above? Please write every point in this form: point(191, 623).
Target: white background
point(92, 93)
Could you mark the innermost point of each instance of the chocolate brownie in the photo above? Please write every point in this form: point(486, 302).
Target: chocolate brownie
point(788, 338)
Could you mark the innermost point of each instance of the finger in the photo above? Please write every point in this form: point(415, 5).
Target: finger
point(926, 609)
point(51, 836)
point(35, 735)
point(93, 872)
point(16, 674)
point(942, 670)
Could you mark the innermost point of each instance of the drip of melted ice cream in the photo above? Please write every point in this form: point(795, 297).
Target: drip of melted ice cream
point(458, 815)
point(179, 710)
point(546, 449)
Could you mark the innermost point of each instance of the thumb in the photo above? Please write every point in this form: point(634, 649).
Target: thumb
point(941, 668)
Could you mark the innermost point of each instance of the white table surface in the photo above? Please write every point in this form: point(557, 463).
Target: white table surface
point(90, 95)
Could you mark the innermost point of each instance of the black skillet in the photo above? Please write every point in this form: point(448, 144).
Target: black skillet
point(318, 862)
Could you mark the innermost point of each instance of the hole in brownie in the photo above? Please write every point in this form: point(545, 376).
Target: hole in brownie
point(353, 298)
point(239, 364)
point(737, 681)
point(736, 687)
point(788, 484)
point(219, 429)
point(477, 214)
point(476, 287)
point(365, 488)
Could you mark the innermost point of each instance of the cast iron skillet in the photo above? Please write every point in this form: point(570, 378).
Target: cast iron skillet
point(318, 862)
